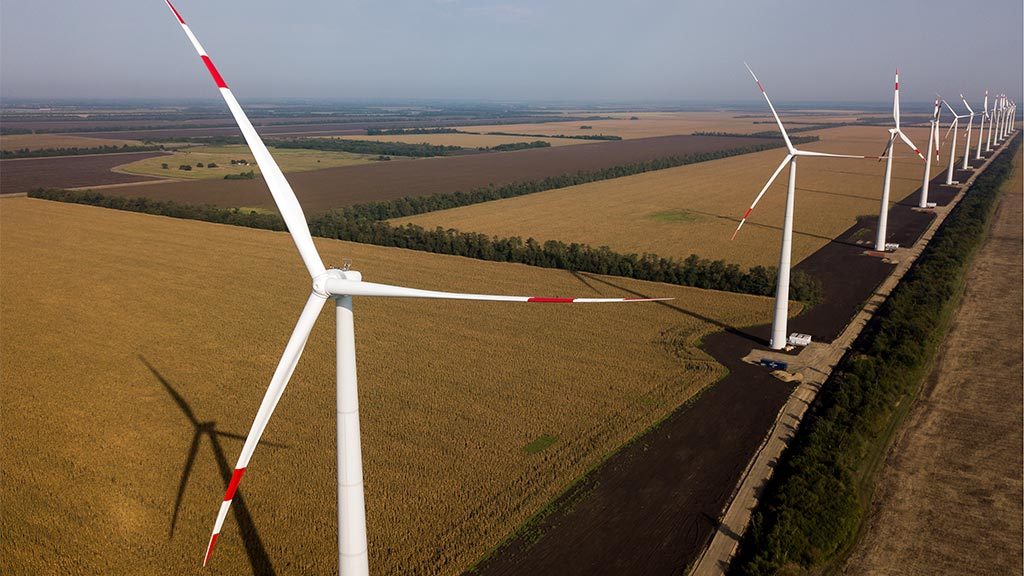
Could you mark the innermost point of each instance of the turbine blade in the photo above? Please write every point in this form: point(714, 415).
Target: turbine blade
point(896, 101)
point(911, 144)
point(969, 109)
point(283, 373)
point(760, 194)
point(282, 192)
point(888, 147)
point(342, 287)
point(825, 154)
point(785, 136)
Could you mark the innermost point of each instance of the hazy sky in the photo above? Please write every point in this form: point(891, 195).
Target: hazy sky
point(643, 50)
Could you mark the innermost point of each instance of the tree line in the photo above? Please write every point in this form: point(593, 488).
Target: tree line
point(570, 136)
point(75, 151)
point(419, 150)
point(367, 223)
point(814, 504)
point(692, 271)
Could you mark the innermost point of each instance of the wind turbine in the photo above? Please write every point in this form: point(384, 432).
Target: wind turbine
point(883, 213)
point(981, 128)
point(991, 125)
point(341, 286)
point(933, 144)
point(780, 319)
point(967, 136)
point(952, 148)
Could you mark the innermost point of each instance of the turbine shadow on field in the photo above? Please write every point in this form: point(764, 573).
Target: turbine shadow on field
point(778, 228)
point(258, 558)
point(726, 327)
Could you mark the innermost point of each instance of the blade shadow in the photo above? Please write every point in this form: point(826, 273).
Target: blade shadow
point(696, 315)
point(259, 560)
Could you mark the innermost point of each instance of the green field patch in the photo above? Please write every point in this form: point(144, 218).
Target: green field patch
point(540, 444)
point(676, 216)
point(222, 155)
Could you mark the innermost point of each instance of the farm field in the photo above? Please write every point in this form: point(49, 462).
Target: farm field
point(465, 140)
point(22, 175)
point(331, 188)
point(147, 308)
point(268, 128)
point(39, 141)
point(290, 160)
point(948, 499)
point(650, 124)
point(694, 209)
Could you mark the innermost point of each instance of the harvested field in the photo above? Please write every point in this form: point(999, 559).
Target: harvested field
point(96, 444)
point(288, 159)
point(336, 187)
point(650, 124)
point(694, 209)
point(465, 140)
point(39, 141)
point(948, 500)
point(68, 171)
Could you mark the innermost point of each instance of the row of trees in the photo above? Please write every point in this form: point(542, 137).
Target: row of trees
point(420, 150)
point(518, 146)
point(400, 131)
point(367, 223)
point(75, 151)
point(571, 136)
point(693, 271)
point(412, 205)
point(812, 508)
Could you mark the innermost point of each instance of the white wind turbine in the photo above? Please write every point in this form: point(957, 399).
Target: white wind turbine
point(967, 136)
point(981, 127)
point(952, 147)
point(781, 316)
point(897, 132)
point(933, 144)
point(341, 286)
point(991, 124)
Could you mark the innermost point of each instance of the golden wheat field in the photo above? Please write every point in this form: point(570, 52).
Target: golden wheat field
point(124, 335)
point(651, 124)
point(464, 140)
point(38, 141)
point(695, 209)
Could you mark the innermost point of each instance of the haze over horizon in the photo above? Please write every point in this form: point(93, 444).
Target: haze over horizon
point(501, 51)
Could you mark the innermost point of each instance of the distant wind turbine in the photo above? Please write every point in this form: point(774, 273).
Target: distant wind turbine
point(967, 136)
point(952, 147)
point(933, 144)
point(981, 128)
point(896, 132)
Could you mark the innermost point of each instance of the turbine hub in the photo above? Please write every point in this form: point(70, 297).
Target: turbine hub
point(320, 282)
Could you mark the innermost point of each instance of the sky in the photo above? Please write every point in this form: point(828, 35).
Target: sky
point(505, 51)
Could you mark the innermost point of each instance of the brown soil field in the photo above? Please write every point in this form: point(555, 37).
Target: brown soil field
point(466, 140)
point(324, 190)
point(948, 500)
point(695, 209)
point(156, 330)
point(68, 171)
point(38, 141)
point(649, 124)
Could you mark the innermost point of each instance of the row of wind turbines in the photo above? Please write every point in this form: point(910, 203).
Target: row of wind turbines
point(344, 284)
point(1000, 126)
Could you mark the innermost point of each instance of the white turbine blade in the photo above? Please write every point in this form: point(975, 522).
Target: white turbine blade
point(950, 108)
point(283, 373)
point(952, 127)
point(760, 194)
point(789, 145)
point(343, 287)
point(825, 154)
point(888, 147)
point(969, 109)
point(911, 144)
point(282, 192)
point(896, 101)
